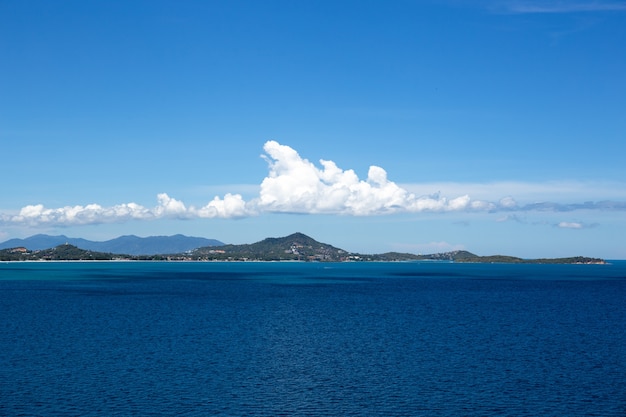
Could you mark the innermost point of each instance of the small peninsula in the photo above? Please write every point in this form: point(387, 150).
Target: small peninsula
point(295, 247)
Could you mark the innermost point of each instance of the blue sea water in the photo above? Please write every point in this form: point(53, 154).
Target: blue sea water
point(312, 339)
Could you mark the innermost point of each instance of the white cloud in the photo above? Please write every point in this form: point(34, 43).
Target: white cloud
point(296, 185)
point(92, 213)
point(508, 203)
point(574, 225)
point(231, 206)
point(570, 225)
point(167, 207)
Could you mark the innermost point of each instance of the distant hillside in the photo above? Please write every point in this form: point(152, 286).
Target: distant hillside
point(502, 259)
point(454, 256)
point(399, 256)
point(65, 252)
point(296, 246)
point(130, 245)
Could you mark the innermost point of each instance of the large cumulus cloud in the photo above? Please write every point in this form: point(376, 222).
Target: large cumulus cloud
point(296, 185)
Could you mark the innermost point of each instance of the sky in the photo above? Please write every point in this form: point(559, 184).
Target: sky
point(497, 127)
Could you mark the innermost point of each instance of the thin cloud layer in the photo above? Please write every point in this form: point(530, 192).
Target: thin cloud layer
point(296, 185)
point(555, 6)
point(575, 225)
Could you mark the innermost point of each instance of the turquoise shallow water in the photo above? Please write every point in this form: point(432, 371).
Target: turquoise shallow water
point(403, 339)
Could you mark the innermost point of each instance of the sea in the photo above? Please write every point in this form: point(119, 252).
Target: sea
point(312, 339)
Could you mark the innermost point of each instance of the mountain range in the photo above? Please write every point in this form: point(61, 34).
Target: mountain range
point(130, 244)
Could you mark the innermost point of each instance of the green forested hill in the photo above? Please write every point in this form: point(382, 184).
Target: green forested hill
point(64, 252)
point(296, 246)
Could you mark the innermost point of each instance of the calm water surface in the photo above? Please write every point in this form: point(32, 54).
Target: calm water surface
point(310, 339)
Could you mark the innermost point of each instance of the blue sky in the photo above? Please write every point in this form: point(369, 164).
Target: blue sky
point(491, 126)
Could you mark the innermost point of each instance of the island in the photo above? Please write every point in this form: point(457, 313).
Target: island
point(295, 247)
